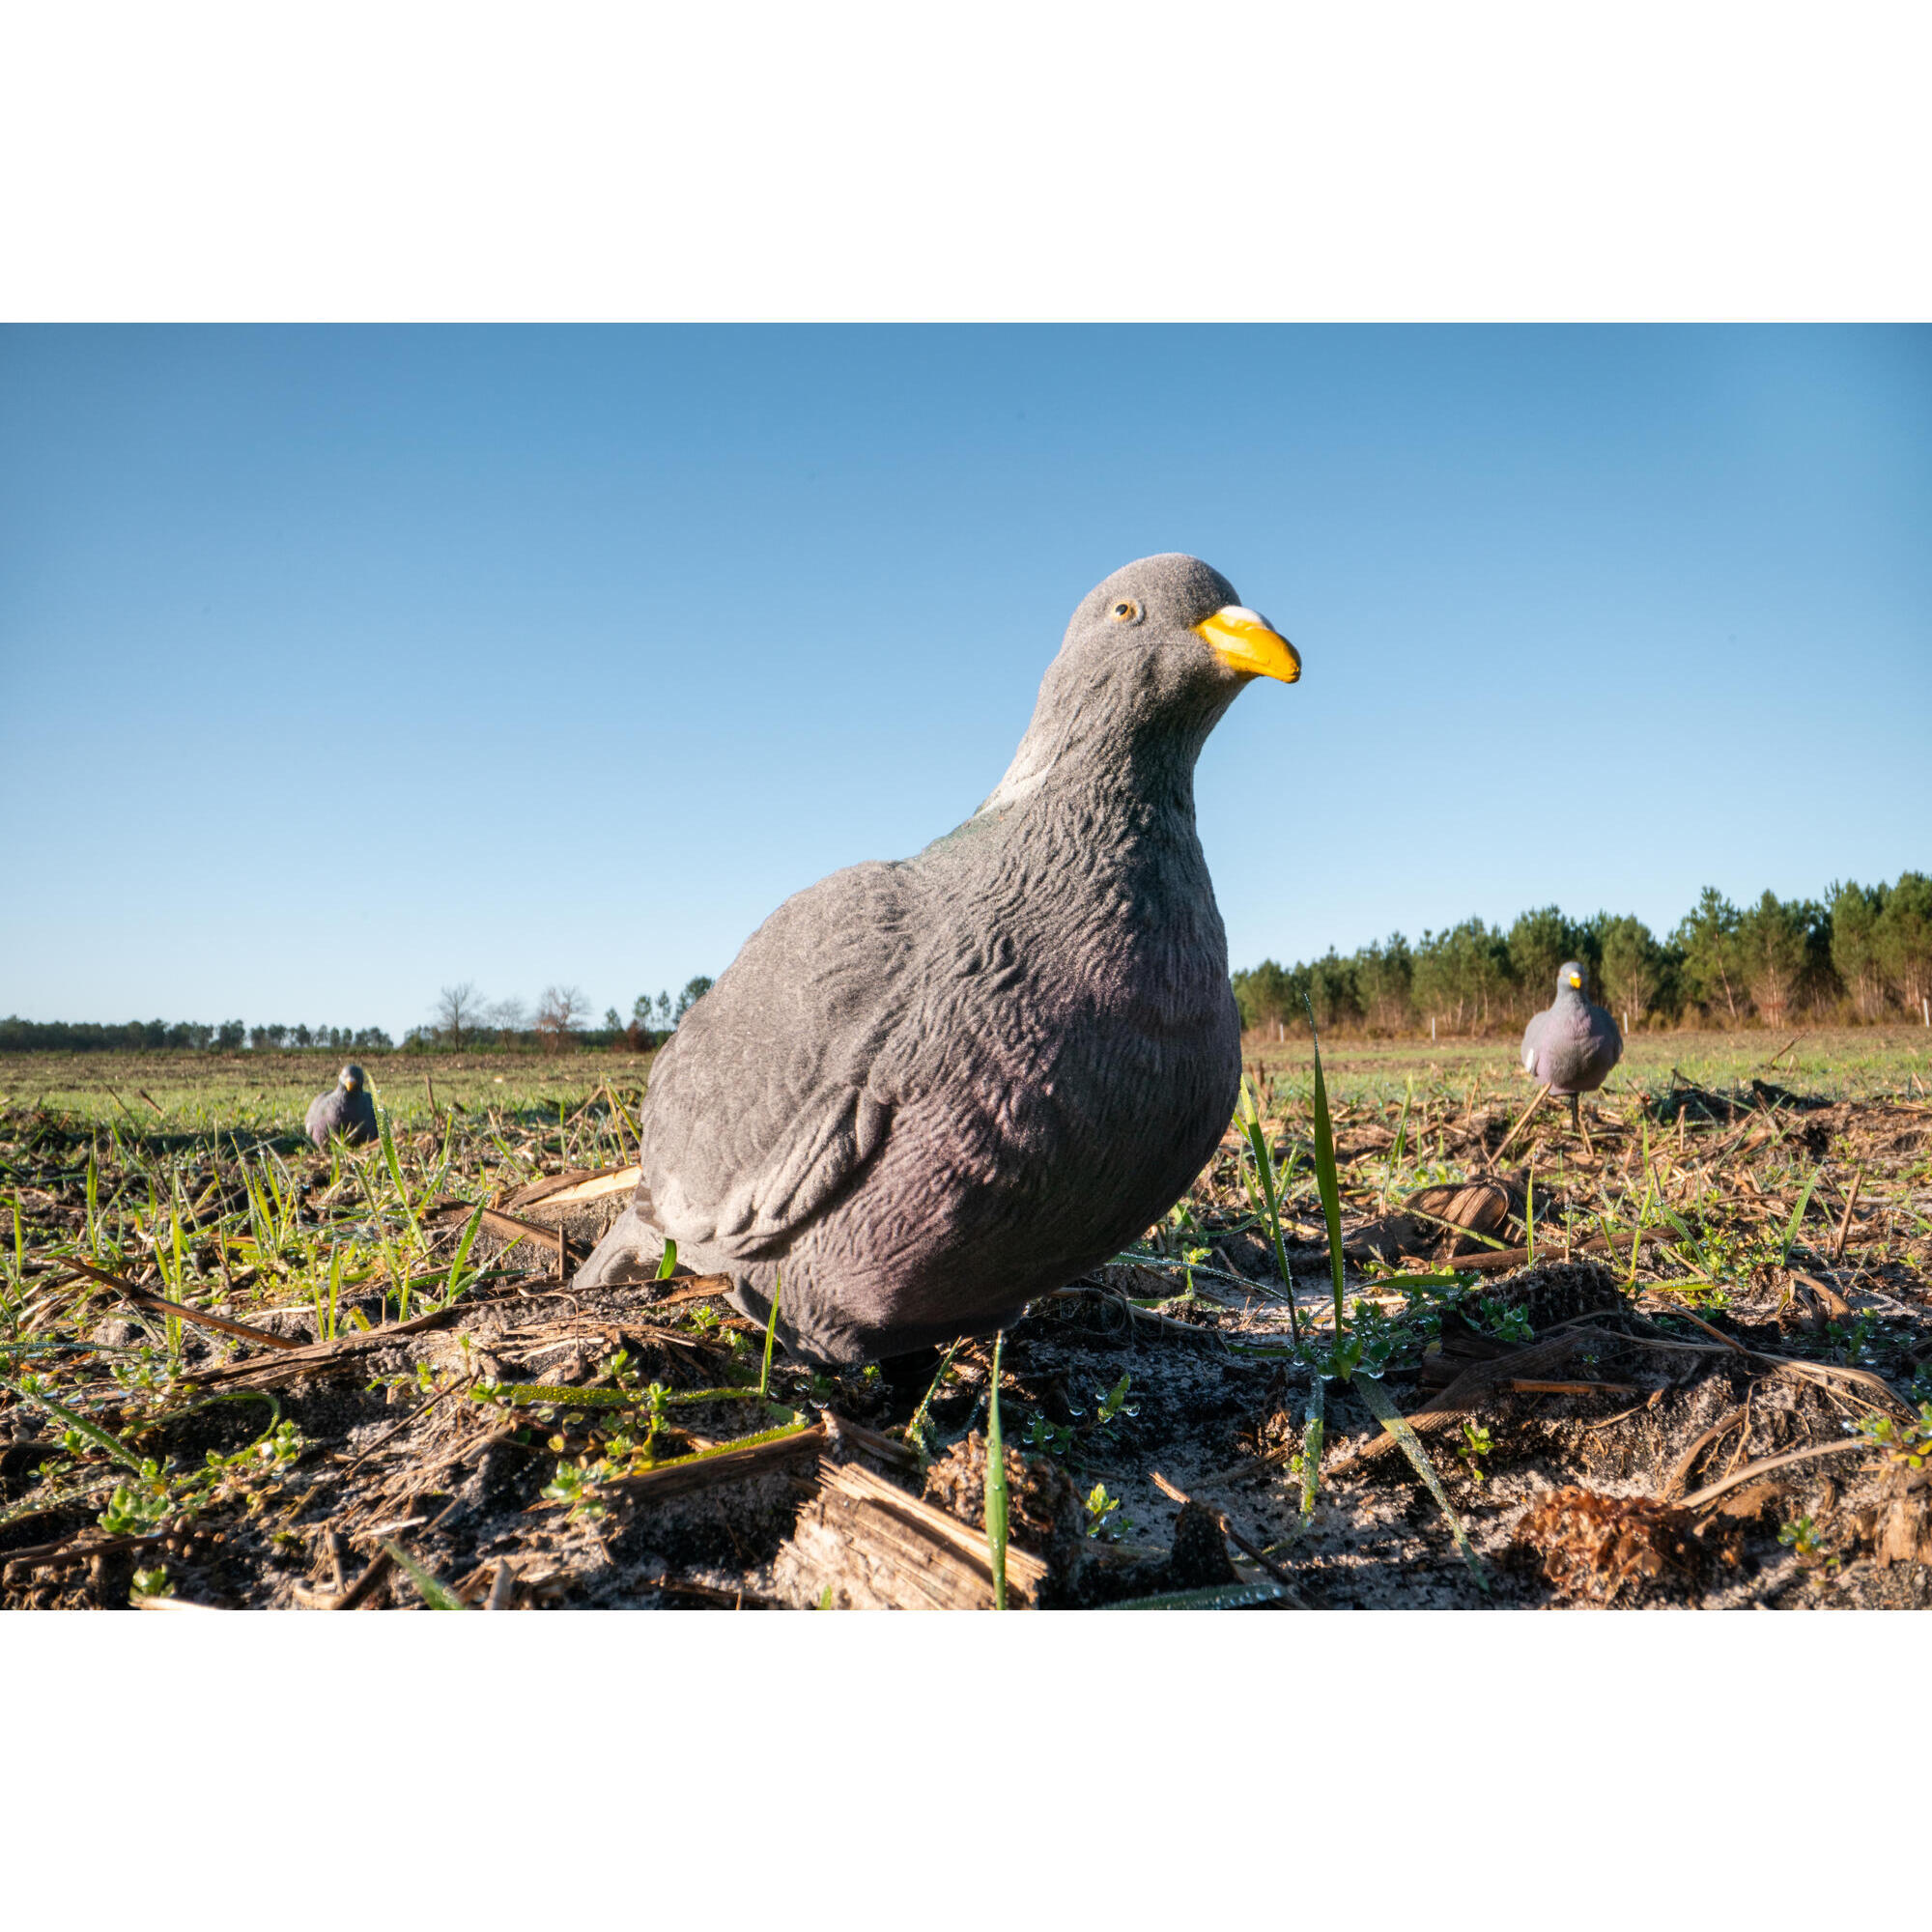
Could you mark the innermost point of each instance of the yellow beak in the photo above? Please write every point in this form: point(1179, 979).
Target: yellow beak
point(1243, 640)
point(1576, 983)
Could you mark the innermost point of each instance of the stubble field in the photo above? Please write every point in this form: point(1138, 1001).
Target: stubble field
point(1680, 1362)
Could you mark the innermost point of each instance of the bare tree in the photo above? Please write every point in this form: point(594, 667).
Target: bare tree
point(457, 1008)
point(561, 1010)
point(510, 1018)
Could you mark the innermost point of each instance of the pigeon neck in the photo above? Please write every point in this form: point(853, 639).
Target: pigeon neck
point(1130, 757)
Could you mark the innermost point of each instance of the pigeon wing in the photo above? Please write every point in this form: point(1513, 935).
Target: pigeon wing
point(1610, 1040)
point(1532, 1038)
point(764, 1106)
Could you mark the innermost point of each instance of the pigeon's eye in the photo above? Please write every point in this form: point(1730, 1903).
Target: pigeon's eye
point(1125, 611)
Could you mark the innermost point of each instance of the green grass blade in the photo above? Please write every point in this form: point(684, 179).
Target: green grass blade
point(436, 1594)
point(1270, 1207)
point(396, 1274)
point(996, 1483)
point(1396, 1423)
point(77, 1422)
point(395, 1166)
point(1643, 1213)
point(456, 1266)
point(771, 1334)
point(40, 1501)
point(1217, 1596)
point(915, 1430)
point(1326, 1180)
point(669, 1266)
point(1311, 1450)
point(623, 1112)
point(1798, 1215)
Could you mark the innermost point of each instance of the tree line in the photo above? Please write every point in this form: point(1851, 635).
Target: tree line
point(463, 1021)
point(18, 1035)
point(1862, 953)
point(466, 1020)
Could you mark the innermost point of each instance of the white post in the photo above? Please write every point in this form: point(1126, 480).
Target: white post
point(1925, 1008)
point(1432, 1026)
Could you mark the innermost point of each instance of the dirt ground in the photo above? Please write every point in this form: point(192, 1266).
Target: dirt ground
point(1704, 1389)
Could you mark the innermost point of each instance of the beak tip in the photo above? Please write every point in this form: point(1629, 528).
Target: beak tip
point(1245, 643)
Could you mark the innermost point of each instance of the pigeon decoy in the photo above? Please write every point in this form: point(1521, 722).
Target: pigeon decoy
point(930, 1090)
point(346, 1109)
point(1571, 1046)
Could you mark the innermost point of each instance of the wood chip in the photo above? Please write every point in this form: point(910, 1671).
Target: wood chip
point(878, 1547)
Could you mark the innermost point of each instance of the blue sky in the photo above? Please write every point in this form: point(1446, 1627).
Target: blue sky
point(336, 664)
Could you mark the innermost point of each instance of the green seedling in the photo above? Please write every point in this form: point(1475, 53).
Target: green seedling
point(1806, 1542)
point(1103, 1519)
point(1114, 1403)
point(1909, 1443)
point(1505, 1322)
point(573, 1485)
point(1854, 1344)
point(1476, 1444)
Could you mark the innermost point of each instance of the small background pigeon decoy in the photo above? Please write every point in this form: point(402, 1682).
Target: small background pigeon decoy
point(927, 1091)
point(1571, 1046)
point(346, 1109)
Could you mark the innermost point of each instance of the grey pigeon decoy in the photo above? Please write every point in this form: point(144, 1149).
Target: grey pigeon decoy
point(346, 1109)
point(1571, 1046)
point(930, 1090)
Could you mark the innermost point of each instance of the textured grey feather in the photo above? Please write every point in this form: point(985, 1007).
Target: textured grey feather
point(1572, 1044)
point(927, 1091)
point(346, 1109)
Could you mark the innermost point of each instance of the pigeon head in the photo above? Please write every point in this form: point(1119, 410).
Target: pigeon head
point(1153, 657)
point(351, 1078)
point(1173, 625)
point(1571, 977)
